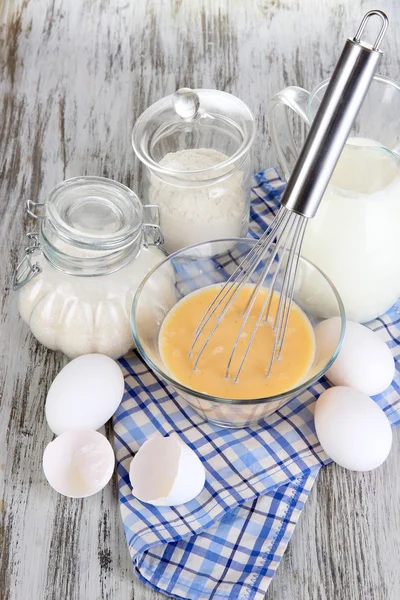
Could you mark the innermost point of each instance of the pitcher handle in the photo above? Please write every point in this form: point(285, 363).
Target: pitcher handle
point(295, 98)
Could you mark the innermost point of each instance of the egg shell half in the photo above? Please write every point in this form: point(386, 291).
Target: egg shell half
point(79, 463)
point(352, 429)
point(166, 472)
point(85, 394)
point(365, 362)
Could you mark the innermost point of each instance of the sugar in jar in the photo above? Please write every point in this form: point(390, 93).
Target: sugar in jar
point(81, 269)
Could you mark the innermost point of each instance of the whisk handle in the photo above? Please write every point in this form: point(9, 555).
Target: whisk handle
point(339, 107)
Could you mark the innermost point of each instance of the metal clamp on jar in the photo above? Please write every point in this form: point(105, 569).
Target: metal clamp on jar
point(195, 146)
point(80, 272)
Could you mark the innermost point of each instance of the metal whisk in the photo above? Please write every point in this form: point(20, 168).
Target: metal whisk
point(283, 240)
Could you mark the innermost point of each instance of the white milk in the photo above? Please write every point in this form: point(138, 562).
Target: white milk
point(355, 236)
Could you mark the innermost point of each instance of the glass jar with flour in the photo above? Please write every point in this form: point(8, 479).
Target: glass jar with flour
point(195, 147)
point(81, 270)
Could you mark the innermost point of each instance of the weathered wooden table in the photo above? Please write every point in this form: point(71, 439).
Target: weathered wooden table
point(74, 77)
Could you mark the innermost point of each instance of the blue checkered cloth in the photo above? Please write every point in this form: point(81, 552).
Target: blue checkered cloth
point(227, 542)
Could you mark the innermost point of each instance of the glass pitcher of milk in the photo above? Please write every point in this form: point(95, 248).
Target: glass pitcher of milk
point(355, 236)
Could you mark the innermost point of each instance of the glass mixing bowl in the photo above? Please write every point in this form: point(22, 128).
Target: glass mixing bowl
point(211, 263)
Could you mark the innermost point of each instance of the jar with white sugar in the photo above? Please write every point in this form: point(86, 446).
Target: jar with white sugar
point(195, 147)
point(81, 270)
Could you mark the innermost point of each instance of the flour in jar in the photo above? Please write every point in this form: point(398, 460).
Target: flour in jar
point(195, 212)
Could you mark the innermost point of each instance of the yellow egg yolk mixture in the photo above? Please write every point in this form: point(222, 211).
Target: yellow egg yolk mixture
point(178, 331)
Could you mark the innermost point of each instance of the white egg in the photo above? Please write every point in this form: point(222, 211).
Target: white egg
point(78, 463)
point(85, 394)
point(365, 362)
point(352, 429)
point(166, 472)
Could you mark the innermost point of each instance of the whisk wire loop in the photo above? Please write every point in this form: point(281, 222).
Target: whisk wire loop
point(252, 258)
point(287, 290)
point(282, 241)
point(286, 229)
point(228, 293)
point(289, 299)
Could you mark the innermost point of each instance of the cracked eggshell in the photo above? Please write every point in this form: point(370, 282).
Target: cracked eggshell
point(78, 463)
point(85, 394)
point(166, 472)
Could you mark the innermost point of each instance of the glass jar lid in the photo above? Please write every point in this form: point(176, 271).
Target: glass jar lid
point(94, 213)
point(194, 119)
point(89, 226)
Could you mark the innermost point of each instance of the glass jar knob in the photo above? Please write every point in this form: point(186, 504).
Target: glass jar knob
point(186, 104)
